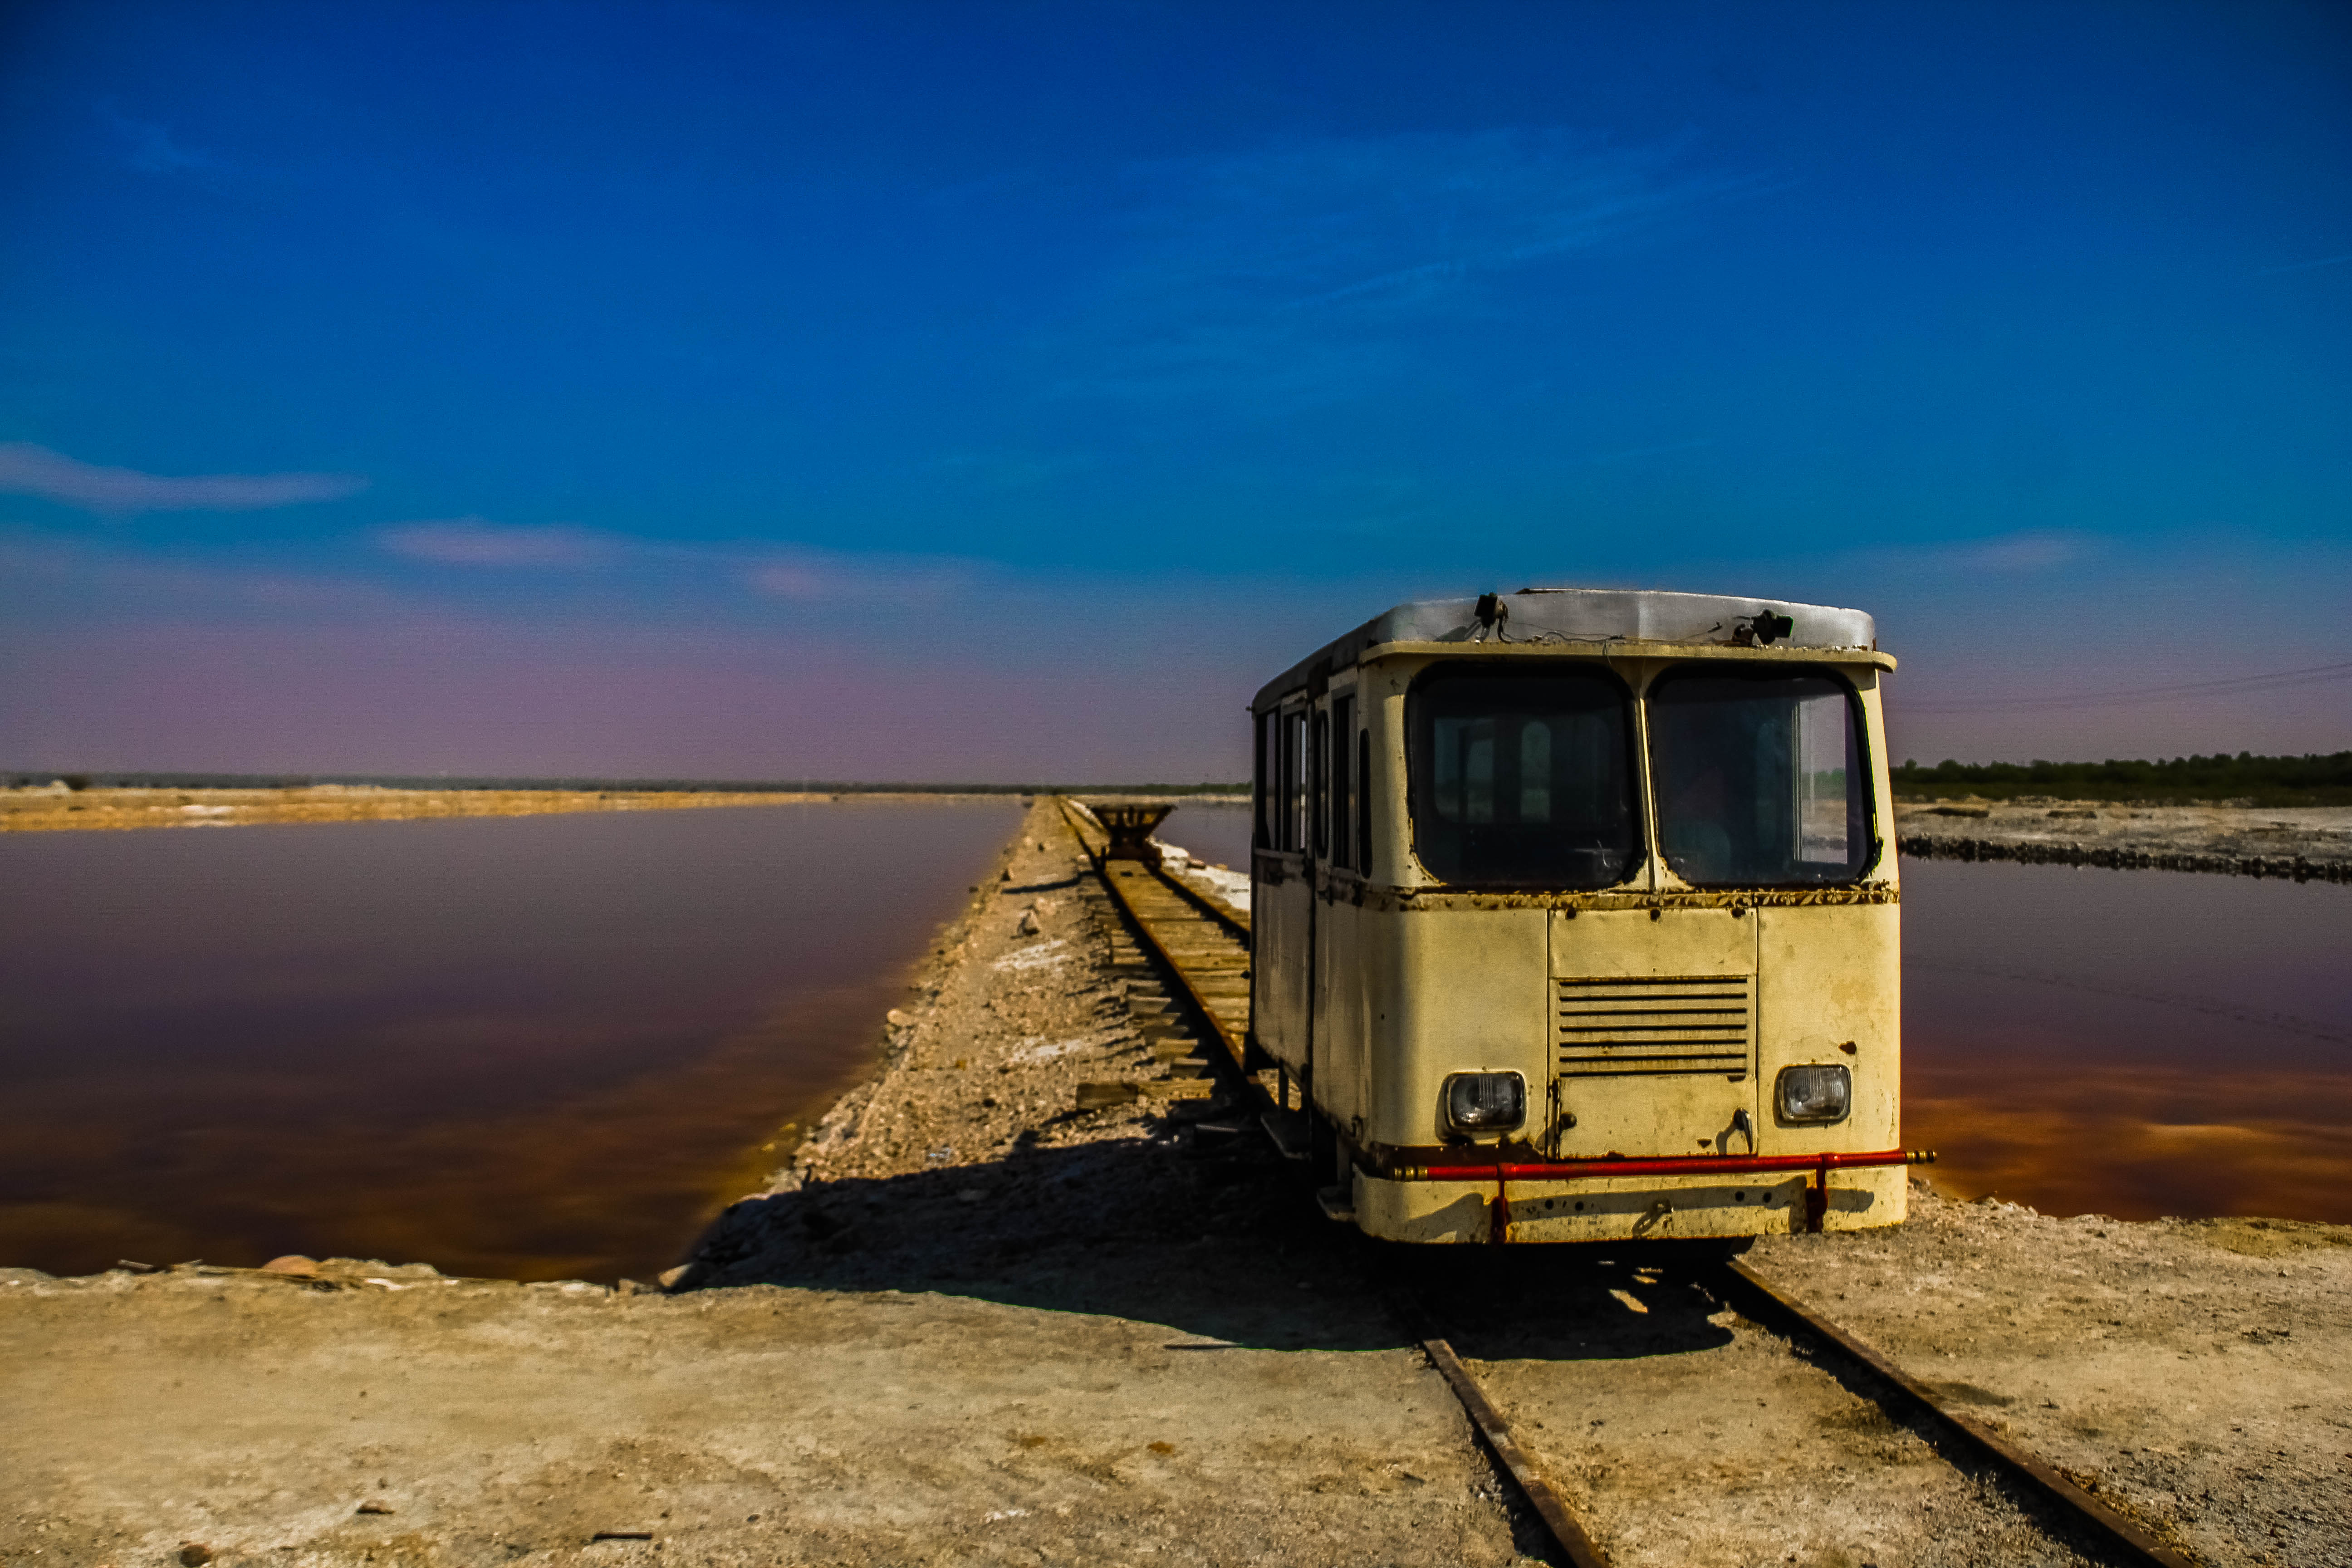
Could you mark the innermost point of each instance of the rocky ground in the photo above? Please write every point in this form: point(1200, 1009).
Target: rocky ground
point(2300, 842)
point(972, 1323)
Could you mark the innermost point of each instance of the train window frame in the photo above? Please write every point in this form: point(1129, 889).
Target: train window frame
point(1863, 763)
point(1290, 742)
point(1302, 767)
point(1343, 781)
point(1634, 800)
point(1260, 837)
point(1364, 802)
point(1281, 786)
point(1319, 770)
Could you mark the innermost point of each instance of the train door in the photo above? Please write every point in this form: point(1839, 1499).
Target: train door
point(1283, 894)
point(1335, 1022)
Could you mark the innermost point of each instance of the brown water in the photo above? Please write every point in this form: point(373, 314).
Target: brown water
point(532, 1047)
point(2129, 1043)
point(549, 1047)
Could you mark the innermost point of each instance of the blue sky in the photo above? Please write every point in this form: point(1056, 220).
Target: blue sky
point(970, 391)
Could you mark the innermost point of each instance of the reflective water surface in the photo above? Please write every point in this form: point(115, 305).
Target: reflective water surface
point(547, 1046)
point(533, 1047)
point(2129, 1043)
point(1217, 832)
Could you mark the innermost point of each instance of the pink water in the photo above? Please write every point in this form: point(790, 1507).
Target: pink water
point(530, 1048)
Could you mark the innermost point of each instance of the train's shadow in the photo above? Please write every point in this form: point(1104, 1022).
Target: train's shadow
point(1215, 1237)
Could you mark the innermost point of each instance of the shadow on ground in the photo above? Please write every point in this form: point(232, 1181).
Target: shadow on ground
point(1205, 1229)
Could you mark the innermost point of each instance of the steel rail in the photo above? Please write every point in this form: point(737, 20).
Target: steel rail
point(1236, 924)
point(2038, 1474)
point(1575, 1542)
point(1235, 1042)
point(2124, 1540)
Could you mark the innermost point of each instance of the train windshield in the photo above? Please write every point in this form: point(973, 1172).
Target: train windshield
point(1523, 778)
point(1760, 779)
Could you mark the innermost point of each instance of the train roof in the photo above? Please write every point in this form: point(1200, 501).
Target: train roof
point(1583, 616)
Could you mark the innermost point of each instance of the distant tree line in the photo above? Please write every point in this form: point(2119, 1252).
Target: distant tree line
point(2313, 780)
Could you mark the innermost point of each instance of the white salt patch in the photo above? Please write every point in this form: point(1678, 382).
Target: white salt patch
point(1047, 1053)
point(1233, 887)
point(1044, 955)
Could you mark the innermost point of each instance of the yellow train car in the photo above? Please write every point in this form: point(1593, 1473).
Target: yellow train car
point(1575, 917)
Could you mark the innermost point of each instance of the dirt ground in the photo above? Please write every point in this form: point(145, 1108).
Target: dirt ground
point(2261, 839)
point(970, 1323)
point(53, 807)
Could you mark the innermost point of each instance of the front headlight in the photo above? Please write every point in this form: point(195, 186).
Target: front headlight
point(1816, 1094)
point(1483, 1102)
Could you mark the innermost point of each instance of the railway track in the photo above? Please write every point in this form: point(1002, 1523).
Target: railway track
point(1196, 952)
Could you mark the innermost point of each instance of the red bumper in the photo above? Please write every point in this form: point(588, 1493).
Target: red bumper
point(1703, 1165)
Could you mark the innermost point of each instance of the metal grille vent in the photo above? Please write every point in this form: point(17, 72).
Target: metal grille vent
point(1657, 1023)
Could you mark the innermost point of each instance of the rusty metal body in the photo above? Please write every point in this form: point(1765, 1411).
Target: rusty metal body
point(1652, 990)
point(1129, 824)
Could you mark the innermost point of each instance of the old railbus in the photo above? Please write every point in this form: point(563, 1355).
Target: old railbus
point(1576, 918)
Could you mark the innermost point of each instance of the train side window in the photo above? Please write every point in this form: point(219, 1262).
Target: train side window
point(1294, 780)
point(1284, 787)
point(1320, 806)
point(1258, 839)
point(1302, 730)
point(1364, 802)
point(1761, 778)
point(1522, 778)
point(1343, 790)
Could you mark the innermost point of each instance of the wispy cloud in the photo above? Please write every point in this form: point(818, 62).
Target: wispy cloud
point(811, 577)
point(1304, 264)
point(27, 469)
point(42, 578)
point(476, 541)
point(151, 149)
point(1006, 468)
point(1397, 219)
point(2009, 554)
point(790, 574)
point(2307, 265)
point(2018, 553)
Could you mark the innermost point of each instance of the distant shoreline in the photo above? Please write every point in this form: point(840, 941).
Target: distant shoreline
point(78, 781)
point(54, 808)
point(2310, 844)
